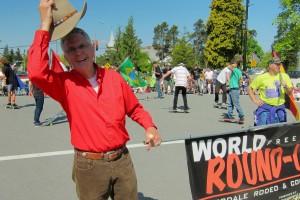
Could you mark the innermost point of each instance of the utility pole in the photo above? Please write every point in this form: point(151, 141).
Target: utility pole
point(245, 37)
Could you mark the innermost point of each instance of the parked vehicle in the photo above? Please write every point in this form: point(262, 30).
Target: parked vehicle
point(294, 74)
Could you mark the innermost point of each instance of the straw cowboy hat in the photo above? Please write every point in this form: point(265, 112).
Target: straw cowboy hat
point(65, 18)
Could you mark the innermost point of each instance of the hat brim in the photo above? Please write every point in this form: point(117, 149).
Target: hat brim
point(67, 26)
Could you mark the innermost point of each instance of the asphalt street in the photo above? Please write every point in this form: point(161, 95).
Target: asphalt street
point(36, 162)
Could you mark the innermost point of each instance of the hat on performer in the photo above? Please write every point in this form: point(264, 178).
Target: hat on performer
point(65, 18)
point(275, 61)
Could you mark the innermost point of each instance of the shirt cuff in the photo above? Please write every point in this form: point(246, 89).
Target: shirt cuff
point(41, 37)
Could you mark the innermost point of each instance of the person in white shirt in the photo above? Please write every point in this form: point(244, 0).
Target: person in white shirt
point(209, 76)
point(222, 79)
point(182, 75)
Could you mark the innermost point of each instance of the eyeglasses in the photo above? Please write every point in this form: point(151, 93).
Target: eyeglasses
point(72, 50)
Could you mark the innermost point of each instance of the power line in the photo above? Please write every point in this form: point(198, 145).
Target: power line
point(13, 47)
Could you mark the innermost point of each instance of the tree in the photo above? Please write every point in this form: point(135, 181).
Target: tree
point(130, 42)
point(18, 56)
point(199, 38)
point(160, 43)
point(11, 57)
point(118, 54)
point(183, 52)
point(253, 47)
point(9, 54)
point(115, 55)
point(172, 37)
point(224, 32)
point(287, 40)
point(144, 65)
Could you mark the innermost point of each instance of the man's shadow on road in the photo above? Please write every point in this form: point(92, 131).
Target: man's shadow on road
point(142, 197)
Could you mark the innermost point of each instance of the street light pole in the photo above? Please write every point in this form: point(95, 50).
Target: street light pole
point(97, 43)
point(245, 37)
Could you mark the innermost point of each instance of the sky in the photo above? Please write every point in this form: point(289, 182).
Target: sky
point(20, 19)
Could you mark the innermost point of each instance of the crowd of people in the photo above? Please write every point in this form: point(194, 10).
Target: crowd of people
point(203, 81)
point(231, 82)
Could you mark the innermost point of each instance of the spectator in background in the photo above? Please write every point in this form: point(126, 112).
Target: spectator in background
point(222, 79)
point(168, 82)
point(196, 72)
point(38, 96)
point(245, 84)
point(158, 75)
point(234, 93)
point(214, 81)
point(209, 75)
point(182, 75)
point(2, 78)
point(11, 82)
point(203, 88)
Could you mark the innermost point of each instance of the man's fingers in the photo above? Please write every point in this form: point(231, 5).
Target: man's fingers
point(152, 141)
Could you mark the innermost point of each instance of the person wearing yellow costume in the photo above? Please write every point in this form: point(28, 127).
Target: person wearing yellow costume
point(273, 85)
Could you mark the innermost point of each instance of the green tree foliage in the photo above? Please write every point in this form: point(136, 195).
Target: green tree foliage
point(126, 45)
point(172, 37)
point(287, 40)
point(115, 55)
point(9, 54)
point(183, 52)
point(264, 60)
point(253, 47)
point(144, 65)
point(130, 43)
point(199, 37)
point(164, 39)
point(224, 32)
point(18, 56)
point(12, 56)
point(118, 55)
point(160, 40)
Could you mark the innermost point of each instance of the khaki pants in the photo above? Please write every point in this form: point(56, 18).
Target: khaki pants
point(99, 179)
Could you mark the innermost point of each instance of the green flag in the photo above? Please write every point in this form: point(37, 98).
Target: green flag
point(127, 71)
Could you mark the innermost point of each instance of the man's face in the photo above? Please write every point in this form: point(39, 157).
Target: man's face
point(275, 67)
point(79, 52)
point(230, 67)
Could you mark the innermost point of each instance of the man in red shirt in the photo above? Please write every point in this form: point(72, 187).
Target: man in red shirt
point(96, 102)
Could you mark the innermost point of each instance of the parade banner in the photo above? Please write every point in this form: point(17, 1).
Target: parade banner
point(259, 163)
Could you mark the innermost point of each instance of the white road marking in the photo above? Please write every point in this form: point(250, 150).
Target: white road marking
point(67, 152)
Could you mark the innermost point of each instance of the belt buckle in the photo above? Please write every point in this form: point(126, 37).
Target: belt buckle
point(106, 155)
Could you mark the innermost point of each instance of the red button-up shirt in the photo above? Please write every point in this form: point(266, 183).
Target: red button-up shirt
point(97, 121)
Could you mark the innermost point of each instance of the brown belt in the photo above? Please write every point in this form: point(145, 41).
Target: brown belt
point(107, 156)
